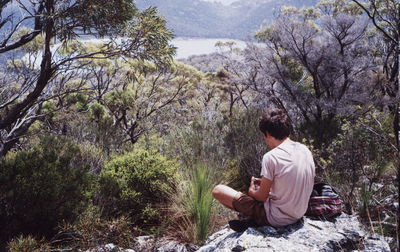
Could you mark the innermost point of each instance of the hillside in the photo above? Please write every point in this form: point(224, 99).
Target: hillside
point(199, 18)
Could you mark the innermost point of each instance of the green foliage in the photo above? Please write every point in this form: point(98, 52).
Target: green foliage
point(365, 143)
point(233, 148)
point(321, 132)
point(236, 175)
point(90, 230)
point(120, 100)
point(131, 34)
point(155, 30)
point(146, 94)
point(33, 46)
point(104, 17)
point(232, 143)
point(245, 146)
point(26, 244)
point(194, 201)
point(48, 109)
point(93, 156)
point(201, 200)
point(202, 139)
point(15, 64)
point(97, 111)
point(336, 7)
point(72, 46)
point(42, 186)
point(79, 99)
point(361, 157)
point(366, 198)
point(134, 184)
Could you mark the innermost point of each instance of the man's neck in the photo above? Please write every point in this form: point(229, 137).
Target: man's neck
point(276, 142)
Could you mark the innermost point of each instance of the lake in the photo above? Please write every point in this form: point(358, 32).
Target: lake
point(196, 46)
point(189, 46)
point(185, 46)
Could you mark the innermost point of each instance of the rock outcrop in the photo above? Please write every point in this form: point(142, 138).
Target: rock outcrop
point(342, 234)
point(149, 243)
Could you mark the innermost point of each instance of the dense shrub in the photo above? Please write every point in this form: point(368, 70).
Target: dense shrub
point(245, 146)
point(232, 144)
point(233, 148)
point(136, 184)
point(362, 165)
point(202, 139)
point(362, 153)
point(90, 230)
point(41, 187)
point(321, 133)
point(26, 243)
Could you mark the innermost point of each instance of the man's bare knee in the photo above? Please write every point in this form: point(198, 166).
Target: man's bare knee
point(217, 191)
point(225, 195)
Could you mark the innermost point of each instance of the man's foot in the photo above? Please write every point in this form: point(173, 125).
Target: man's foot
point(242, 217)
point(242, 225)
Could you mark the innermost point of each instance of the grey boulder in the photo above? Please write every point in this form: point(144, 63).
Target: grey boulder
point(343, 234)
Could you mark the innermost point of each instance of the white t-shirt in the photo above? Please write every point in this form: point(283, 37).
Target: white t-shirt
point(290, 167)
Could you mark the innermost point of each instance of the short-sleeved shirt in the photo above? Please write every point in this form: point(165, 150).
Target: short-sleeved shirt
point(290, 167)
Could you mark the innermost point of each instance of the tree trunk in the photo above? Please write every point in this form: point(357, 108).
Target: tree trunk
point(45, 75)
point(398, 141)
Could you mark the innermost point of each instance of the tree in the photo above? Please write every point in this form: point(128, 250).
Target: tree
point(113, 102)
point(234, 88)
point(385, 16)
point(313, 63)
point(131, 33)
point(145, 92)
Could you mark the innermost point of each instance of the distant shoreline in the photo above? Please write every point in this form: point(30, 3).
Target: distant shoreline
point(187, 46)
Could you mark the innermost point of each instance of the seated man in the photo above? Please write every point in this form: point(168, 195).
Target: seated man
point(280, 197)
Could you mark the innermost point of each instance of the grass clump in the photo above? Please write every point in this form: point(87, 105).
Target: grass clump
point(26, 244)
point(194, 203)
point(90, 231)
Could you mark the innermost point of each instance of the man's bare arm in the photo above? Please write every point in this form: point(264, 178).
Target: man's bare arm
point(263, 191)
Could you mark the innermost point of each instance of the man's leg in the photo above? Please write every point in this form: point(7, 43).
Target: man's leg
point(225, 195)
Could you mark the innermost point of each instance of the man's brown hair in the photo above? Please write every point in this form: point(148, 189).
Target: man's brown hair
point(276, 122)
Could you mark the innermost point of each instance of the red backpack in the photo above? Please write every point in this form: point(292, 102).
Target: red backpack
point(324, 202)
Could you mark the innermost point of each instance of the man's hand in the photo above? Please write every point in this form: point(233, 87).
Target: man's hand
point(259, 188)
point(255, 184)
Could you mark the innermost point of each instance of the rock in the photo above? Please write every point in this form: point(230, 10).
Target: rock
point(109, 248)
point(143, 243)
point(342, 234)
point(149, 243)
point(164, 244)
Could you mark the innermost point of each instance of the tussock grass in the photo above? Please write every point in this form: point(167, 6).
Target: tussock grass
point(194, 202)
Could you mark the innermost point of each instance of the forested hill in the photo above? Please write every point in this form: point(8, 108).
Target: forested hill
point(238, 20)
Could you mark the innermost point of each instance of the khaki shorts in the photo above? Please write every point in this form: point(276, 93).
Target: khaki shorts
point(252, 208)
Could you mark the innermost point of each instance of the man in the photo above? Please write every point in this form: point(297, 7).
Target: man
point(280, 197)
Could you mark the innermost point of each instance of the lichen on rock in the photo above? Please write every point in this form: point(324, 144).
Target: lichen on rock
point(341, 234)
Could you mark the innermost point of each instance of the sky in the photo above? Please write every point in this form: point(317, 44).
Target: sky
point(227, 2)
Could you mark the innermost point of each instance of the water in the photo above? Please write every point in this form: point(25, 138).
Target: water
point(196, 46)
point(190, 46)
point(185, 46)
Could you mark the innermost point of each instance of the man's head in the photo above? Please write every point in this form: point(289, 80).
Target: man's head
point(276, 123)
